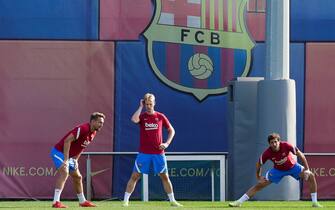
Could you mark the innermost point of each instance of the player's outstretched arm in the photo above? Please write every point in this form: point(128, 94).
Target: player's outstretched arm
point(259, 176)
point(303, 159)
point(67, 144)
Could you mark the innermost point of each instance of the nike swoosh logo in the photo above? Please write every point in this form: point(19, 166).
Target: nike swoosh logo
point(99, 172)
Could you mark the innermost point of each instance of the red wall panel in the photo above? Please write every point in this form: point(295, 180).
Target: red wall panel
point(256, 25)
point(124, 19)
point(320, 101)
point(47, 88)
point(320, 115)
point(324, 170)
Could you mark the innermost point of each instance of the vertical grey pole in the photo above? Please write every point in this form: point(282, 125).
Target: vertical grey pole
point(277, 39)
point(276, 96)
point(223, 178)
point(88, 178)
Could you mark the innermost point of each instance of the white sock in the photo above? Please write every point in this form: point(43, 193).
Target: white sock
point(126, 197)
point(171, 197)
point(57, 195)
point(81, 197)
point(244, 197)
point(314, 197)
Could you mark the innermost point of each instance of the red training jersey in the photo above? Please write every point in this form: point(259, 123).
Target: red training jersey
point(151, 135)
point(282, 159)
point(83, 137)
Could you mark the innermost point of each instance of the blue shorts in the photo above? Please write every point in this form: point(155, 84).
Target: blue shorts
point(143, 162)
point(275, 175)
point(58, 158)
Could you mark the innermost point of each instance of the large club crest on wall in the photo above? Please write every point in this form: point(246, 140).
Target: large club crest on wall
point(197, 46)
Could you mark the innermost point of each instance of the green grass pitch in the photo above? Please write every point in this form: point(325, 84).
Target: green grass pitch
point(158, 205)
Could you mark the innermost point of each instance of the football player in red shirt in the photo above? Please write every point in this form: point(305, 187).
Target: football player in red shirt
point(152, 147)
point(66, 153)
point(280, 153)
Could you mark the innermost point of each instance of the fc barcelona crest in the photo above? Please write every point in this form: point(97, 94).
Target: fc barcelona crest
point(197, 46)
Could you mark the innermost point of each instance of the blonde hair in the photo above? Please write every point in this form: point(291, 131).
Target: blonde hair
point(149, 96)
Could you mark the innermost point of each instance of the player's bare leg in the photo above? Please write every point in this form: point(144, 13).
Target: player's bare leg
point(308, 176)
point(135, 176)
point(258, 187)
point(132, 182)
point(169, 189)
point(250, 193)
point(78, 187)
point(77, 181)
point(166, 183)
point(62, 174)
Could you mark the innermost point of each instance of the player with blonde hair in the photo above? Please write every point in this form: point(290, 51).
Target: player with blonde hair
point(152, 147)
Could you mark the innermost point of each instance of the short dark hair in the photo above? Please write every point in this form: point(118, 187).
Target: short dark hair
point(96, 115)
point(273, 136)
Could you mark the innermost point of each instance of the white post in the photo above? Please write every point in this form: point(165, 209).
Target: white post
point(145, 187)
point(213, 183)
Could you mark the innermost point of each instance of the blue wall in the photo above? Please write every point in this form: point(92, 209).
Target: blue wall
point(49, 19)
point(312, 20)
point(200, 126)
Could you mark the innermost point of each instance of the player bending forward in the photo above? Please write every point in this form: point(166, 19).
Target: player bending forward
point(284, 165)
point(65, 156)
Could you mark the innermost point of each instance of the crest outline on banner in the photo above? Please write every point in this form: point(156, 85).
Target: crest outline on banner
point(211, 40)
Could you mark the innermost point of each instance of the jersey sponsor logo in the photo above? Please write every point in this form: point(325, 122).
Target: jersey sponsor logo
point(281, 162)
point(150, 126)
point(85, 143)
point(198, 46)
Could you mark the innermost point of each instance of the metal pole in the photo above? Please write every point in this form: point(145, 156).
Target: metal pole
point(277, 39)
point(88, 178)
point(223, 178)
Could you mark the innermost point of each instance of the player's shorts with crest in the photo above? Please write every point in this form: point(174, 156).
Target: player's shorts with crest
point(58, 159)
point(143, 162)
point(275, 175)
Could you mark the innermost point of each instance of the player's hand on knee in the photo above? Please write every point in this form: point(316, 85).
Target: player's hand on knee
point(75, 163)
point(306, 174)
point(65, 166)
point(262, 180)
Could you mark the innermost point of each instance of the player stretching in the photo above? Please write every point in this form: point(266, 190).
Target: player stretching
point(65, 156)
point(284, 165)
point(151, 147)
